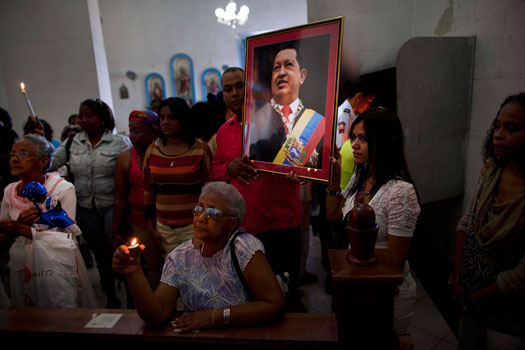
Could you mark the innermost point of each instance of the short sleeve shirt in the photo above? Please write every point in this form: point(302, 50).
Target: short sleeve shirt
point(209, 282)
point(396, 207)
point(345, 118)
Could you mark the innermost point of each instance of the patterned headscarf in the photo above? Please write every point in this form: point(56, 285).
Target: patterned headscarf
point(148, 118)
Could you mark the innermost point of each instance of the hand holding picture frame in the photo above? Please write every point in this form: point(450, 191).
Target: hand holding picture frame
point(291, 97)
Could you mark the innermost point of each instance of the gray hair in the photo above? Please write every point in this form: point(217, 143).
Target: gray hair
point(231, 196)
point(43, 148)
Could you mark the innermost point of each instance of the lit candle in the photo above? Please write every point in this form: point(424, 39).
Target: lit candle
point(23, 88)
point(134, 245)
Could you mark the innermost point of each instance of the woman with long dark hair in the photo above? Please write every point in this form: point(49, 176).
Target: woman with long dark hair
point(382, 180)
point(488, 277)
point(176, 167)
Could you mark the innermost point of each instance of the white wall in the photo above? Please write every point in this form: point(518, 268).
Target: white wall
point(47, 45)
point(142, 36)
point(376, 29)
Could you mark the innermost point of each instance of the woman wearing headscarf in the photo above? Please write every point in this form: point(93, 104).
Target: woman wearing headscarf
point(129, 191)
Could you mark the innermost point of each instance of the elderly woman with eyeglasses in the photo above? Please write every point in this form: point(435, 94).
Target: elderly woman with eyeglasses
point(92, 157)
point(201, 271)
point(29, 161)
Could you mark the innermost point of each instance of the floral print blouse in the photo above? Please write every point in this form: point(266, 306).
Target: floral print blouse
point(209, 282)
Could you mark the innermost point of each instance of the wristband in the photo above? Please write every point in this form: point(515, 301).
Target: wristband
point(226, 315)
point(333, 193)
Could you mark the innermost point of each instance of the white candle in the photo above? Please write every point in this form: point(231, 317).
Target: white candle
point(23, 88)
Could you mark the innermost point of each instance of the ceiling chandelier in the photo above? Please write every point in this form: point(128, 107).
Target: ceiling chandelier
point(230, 16)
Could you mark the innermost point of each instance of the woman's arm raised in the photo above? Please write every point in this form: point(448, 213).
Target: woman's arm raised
point(153, 307)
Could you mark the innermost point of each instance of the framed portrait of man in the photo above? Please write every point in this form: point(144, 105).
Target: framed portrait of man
point(292, 78)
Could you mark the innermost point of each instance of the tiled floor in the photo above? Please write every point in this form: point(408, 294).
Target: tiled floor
point(427, 330)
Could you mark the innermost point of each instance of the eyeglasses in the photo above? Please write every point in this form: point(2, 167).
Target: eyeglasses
point(20, 155)
point(211, 213)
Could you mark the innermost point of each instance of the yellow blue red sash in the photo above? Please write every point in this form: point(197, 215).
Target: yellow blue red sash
point(303, 139)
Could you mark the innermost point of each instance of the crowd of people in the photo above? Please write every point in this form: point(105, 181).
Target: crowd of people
point(217, 237)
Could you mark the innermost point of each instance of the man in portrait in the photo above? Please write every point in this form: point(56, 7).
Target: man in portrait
point(284, 130)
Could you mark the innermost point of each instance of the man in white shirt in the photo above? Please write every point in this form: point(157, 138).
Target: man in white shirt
point(359, 97)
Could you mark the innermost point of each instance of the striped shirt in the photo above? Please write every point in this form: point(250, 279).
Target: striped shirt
point(173, 183)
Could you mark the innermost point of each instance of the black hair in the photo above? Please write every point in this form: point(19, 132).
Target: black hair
point(218, 101)
point(209, 118)
point(488, 143)
point(101, 109)
point(29, 127)
point(233, 70)
point(352, 87)
point(152, 104)
point(67, 129)
point(48, 130)
point(5, 118)
point(292, 44)
point(72, 116)
point(384, 136)
point(181, 111)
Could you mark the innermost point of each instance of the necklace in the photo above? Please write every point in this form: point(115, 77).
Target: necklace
point(140, 160)
point(363, 189)
point(361, 195)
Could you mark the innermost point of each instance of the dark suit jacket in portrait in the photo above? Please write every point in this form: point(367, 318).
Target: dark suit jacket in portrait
point(303, 147)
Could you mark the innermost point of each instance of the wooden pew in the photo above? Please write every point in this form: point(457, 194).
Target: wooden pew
point(66, 328)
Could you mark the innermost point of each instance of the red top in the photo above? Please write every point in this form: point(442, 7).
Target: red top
point(272, 201)
point(136, 192)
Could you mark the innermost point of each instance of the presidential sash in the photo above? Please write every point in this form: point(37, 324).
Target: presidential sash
point(303, 139)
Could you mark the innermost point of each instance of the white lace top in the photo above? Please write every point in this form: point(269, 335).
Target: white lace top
point(396, 208)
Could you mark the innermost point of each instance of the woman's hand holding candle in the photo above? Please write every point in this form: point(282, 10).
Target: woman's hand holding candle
point(35, 125)
point(126, 259)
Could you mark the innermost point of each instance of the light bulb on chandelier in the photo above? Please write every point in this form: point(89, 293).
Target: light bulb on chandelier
point(230, 16)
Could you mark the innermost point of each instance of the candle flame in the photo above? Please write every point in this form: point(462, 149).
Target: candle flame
point(22, 86)
point(134, 241)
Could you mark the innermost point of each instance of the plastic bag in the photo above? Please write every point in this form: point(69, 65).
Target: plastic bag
point(48, 271)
